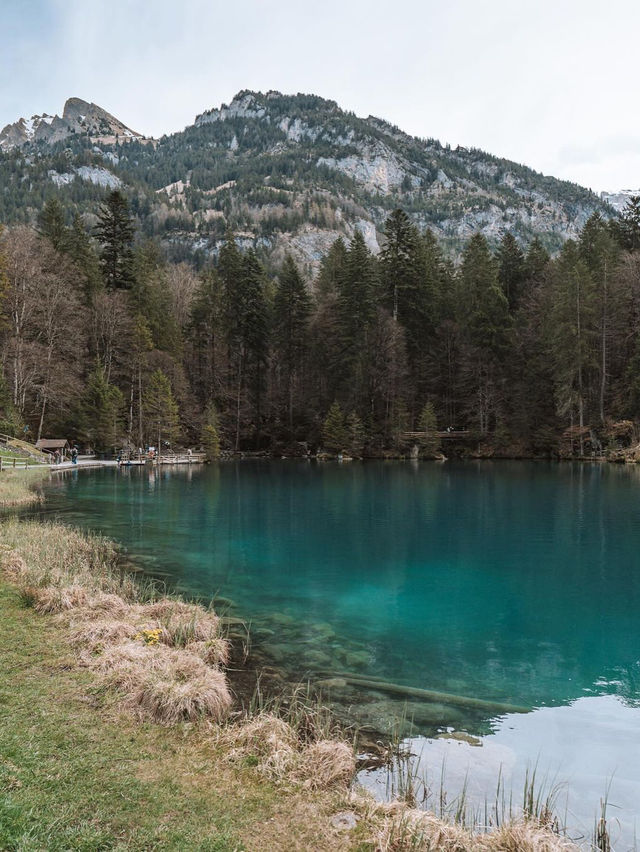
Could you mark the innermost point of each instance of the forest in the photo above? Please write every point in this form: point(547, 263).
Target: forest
point(107, 343)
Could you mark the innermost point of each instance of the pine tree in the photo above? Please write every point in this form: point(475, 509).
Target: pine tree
point(160, 410)
point(334, 430)
point(291, 316)
point(628, 229)
point(206, 336)
point(115, 232)
point(100, 414)
point(355, 312)
point(354, 433)
point(255, 327)
point(486, 327)
point(398, 260)
point(412, 270)
point(80, 250)
point(51, 225)
point(428, 425)
point(600, 252)
point(511, 270)
point(536, 261)
point(332, 268)
point(572, 334)
point(211, 433)
point(151, 297)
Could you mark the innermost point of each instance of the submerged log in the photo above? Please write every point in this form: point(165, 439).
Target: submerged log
point(431, 695)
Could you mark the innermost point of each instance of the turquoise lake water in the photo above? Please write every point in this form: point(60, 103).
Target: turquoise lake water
point(508, 581)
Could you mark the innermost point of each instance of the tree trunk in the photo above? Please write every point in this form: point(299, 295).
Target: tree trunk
point(42, 410)
point(603, 365)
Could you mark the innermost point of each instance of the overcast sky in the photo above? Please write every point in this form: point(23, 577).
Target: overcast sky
point(553, 84)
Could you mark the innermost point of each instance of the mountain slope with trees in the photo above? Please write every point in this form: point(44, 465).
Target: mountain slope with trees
point(288, 174)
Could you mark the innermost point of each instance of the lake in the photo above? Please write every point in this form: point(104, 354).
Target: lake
point(511, 582)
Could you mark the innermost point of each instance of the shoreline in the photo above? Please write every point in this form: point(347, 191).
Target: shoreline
point(375, 815)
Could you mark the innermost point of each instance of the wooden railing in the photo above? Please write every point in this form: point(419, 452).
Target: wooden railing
point(14, 463)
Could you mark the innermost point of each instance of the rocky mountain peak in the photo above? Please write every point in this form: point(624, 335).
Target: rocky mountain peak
point(78, 116)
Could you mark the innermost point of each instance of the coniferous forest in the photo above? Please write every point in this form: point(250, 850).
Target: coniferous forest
point(107, 343)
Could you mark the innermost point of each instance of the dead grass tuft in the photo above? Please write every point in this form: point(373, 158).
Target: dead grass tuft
point(282, 756)
point(170, 699)
point(165, 684)
point(14, 567)
point(52, 599)
point(95, 635)
point(327, 764)
point(262, 736)
point(214, 652)
point(182, 623)
point(404, 829)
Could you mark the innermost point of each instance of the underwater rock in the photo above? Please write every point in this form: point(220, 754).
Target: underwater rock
point(223, 602)
point(321, 629)
point(332, 683)
point(281, 618)
point(357, 659)
point(279, 652)
point(318, 659)
point(462, 736)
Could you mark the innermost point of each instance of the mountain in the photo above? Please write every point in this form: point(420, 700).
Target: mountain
point(78, 117)
point(619, 200)
point(286, 173)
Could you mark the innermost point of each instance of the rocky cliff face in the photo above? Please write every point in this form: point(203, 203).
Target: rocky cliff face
point(78, 117)
point(291, 173)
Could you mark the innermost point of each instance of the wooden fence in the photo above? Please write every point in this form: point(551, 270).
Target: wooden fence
point(14, 464)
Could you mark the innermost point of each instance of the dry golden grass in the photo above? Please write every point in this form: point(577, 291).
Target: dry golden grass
point(214, 652)
point(404, 829)
point(327, 764)
point(17, 487)
point(168, 685)
point(14, 567)
point(282, 756)
point(96, 633)
point(161, 657)
point(52, 599)
point(182, 623)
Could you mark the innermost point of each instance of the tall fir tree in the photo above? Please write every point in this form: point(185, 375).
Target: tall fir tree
point(115, 232)
point(486, 325)
point(160, 411)
point(511, 270)
point(51, 224)
point(291, 308)
point(572, 336)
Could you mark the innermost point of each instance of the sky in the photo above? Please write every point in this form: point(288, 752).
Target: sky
point(553, 84)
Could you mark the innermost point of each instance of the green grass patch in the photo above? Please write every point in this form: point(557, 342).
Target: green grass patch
point(76, 773)
point(72, 779)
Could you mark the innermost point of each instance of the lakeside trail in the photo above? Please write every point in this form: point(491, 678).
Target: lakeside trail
point(100, 748)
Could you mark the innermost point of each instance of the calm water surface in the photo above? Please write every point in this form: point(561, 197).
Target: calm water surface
point(511, 582)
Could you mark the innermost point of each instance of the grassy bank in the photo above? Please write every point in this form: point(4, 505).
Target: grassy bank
point(19, 487)
point(118, 728)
